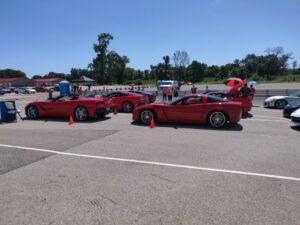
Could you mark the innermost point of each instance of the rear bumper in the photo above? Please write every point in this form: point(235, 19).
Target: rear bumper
point(103, 111)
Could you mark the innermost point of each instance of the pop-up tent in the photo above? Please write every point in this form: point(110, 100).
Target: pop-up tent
point(85, 80)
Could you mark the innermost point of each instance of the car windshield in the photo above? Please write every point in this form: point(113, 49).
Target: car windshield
point(166, 83)
point(65, 98)
point(174, 102)
point(296, 94)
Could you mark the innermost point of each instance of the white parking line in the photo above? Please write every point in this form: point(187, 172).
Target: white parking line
point(262, 120)
point(271, 117)
point(154, 163)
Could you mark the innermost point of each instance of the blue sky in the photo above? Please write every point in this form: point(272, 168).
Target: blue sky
point(39, 36)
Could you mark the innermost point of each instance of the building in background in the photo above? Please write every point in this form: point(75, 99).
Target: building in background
point(45, 82)
point(14, 82)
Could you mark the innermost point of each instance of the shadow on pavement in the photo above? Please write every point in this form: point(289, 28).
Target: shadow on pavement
point(247, 115)
point(59, 119)
point(296, 128)
point(228, 127)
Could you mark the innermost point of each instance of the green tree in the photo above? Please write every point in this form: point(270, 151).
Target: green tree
point(10, 73)
point(100, 62)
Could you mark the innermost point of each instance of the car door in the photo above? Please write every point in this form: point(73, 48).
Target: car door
point(189, 110)
point(60, 107)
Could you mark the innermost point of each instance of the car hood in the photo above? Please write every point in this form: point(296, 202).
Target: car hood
point(275, 98)
point(296, 113)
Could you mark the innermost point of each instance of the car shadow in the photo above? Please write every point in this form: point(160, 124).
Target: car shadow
point(296, 128)
point(228, 127)
point(59, 119)
point(247, 115)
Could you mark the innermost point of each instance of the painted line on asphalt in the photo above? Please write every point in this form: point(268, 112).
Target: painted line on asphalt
point(154, 163)
point(262, 120)
point(271, 117)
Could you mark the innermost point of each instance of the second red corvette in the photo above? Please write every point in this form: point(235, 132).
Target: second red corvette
point(194, 109)
point(126, 101)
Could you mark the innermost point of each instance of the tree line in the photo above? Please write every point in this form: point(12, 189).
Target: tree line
point(110, 67)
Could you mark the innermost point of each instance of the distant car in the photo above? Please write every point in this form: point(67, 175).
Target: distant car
point(40, 89)
point(25, 90)
point(169, 84)
point(192, 109)
point(2, 92)
point(295, 117)
point(288, 109)
point(151, 96)
point(246, 101)
point(126, 101)
point(280, 102)
point(70, 105)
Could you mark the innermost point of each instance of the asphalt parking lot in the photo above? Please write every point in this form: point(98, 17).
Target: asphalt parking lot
point(114, 171)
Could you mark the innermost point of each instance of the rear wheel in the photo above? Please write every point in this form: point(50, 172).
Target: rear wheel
point(81, 113)
point(146, 116)
point(217, 119)
point(32, 112)
point(127, 107)
point(280, 104)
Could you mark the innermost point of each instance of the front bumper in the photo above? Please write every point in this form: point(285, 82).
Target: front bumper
point(268, 104)
point(295, 121)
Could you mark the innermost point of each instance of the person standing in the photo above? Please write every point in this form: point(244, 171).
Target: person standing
point(169, 94)
point(252, 91)
point(193, 89)
point(164, 93)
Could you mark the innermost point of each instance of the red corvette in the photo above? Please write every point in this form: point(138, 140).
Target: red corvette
point(194, 109)
point(126, 101)
point(69, 105)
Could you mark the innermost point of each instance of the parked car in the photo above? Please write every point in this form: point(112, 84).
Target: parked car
point(151, 96)
point(25, 90)
point(280, 102)
point(295, 117)
point(70, 105)
point(193, 109)
point(288, 109)
point(169, 84)
point(2, 92)
point(126, 101)
point(40, 89)
point(246, 101)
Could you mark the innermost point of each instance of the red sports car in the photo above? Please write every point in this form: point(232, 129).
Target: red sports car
point(127, 102)
point(246, 101)
point(69, 105)
point(194, 109)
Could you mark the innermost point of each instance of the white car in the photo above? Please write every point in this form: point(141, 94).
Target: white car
point(280, 102)
point(25, 90)
point(295, 116)
point(169, 84)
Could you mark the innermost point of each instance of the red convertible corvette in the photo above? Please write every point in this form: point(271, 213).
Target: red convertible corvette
point(126, 101)
point(194, 109)
point(69, 105)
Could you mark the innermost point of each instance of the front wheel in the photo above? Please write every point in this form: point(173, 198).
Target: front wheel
point(81, 113)
point(127, 107)
point(32, 112)
point(146, 116)
point(217, 119)
point(280, 104)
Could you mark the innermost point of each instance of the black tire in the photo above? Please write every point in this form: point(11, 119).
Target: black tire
point(81, 113)
point(32, 112)
point(217, 119)
point(146, 116)
point(280, 103)
point(127, 107)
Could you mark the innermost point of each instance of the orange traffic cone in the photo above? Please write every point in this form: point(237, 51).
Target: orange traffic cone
point(115, 111)
point(152, 124)
point(71, 122)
